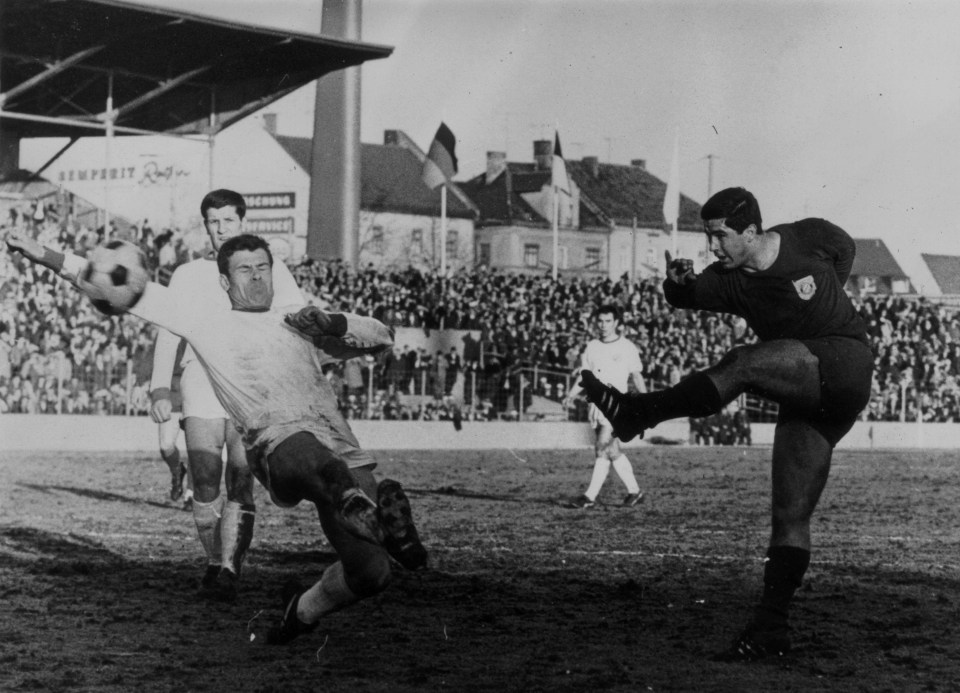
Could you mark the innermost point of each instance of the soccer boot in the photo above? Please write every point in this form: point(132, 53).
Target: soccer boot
point(208, 583)
point(632, 499)
point(755, 643)
point(623, 411)
point(290, 626)
point(358, 515)
point(580, 502)
point(227, 586)
point(400, 536)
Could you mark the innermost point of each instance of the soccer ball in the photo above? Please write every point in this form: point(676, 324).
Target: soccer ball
point(115, 277)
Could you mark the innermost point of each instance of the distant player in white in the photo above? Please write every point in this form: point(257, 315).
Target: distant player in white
point(225, 527)
point(614, 359)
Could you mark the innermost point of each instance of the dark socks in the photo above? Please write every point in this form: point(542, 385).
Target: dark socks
point(695, 395)
point(782, 575)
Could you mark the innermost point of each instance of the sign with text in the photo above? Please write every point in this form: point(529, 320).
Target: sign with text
point(280, 200)
point(268, 226)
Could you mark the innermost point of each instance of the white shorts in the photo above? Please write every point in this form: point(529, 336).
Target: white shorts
point(198, 397)
point(597, 419)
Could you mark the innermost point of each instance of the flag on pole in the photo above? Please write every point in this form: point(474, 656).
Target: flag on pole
point(558, 171)
point(441, 162)
point(671, 200)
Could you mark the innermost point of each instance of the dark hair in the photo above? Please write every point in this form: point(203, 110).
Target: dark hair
point(245, 241)
point(215, 199)
point(736, 206)
point(609, 309)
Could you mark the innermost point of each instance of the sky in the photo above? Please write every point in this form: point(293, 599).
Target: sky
point(846, 110)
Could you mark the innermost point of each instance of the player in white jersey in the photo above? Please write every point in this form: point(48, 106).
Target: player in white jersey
point(224, 526)
point(614, 359)
point(266, 367)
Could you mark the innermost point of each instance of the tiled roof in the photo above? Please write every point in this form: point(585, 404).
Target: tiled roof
point(945, 270)
point(623, 192)
point(498, 207)
point(389, 179)
point(875, 260)
point(616, 192)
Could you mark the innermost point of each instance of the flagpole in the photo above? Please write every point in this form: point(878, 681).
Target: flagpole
point(443, 230)
point(556, 232)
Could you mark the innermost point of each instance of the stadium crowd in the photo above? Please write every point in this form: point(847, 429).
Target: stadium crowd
point(532, 330)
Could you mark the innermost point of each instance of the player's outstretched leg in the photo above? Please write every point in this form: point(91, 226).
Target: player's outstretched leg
point(633, 413)
point(624, 411)
point(401, 539)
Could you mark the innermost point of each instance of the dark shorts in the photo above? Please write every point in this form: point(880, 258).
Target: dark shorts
point(846, 374)
point(299, 451)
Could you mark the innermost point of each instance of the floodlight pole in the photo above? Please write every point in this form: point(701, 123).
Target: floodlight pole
point(108, 146)
point(211, 138)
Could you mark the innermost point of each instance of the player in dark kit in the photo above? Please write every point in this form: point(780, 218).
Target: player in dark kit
point(813, 358)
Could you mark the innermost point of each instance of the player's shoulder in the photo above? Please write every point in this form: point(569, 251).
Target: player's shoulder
point(191, 268)
point(280, 268)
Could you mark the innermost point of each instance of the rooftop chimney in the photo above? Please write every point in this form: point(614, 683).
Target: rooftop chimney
point(270, 123)
point(391, 137)
point(496, 164)
point(593, 166)
point(639, 163)
point(543, 154)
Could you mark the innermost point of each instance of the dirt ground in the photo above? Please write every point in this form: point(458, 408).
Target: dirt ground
point(98, 576)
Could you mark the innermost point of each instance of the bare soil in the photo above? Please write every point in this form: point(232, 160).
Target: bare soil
point(98, 578)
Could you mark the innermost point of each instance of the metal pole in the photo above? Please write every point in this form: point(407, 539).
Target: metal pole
point(443, 230)
point(108, 146)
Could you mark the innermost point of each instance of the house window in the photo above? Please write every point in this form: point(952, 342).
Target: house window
point(416, 241)
point(563, 261)
point(531, 255)
point(483, 254)
point(376, 240)
point(592, 258)
point(453, 243)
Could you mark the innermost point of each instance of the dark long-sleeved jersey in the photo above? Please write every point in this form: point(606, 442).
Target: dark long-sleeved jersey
point(800, 296)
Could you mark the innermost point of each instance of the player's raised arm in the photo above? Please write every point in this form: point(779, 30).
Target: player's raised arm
point(23, 243)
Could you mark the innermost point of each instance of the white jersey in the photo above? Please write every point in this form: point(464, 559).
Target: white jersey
point(612, 363)
point(197, 284)
point(267, 375)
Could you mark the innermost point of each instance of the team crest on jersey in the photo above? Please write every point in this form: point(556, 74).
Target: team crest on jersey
point(806, 287)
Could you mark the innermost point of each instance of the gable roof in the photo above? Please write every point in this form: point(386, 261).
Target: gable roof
point(945, 270)
point(624, 192)
point(389, 179)
point(501, 201)
point(875, 260)
point(609, 193)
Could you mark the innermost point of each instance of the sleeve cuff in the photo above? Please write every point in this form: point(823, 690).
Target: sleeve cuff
point(338, 325)
point(51, 259)
point(158, 394)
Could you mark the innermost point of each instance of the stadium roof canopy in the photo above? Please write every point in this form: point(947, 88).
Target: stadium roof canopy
point(166, 71)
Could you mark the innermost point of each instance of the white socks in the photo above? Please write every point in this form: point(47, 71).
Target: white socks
point(601, 467)
point(624, 470)
point(207, 518)
point(236, 531)
point(329, 594)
